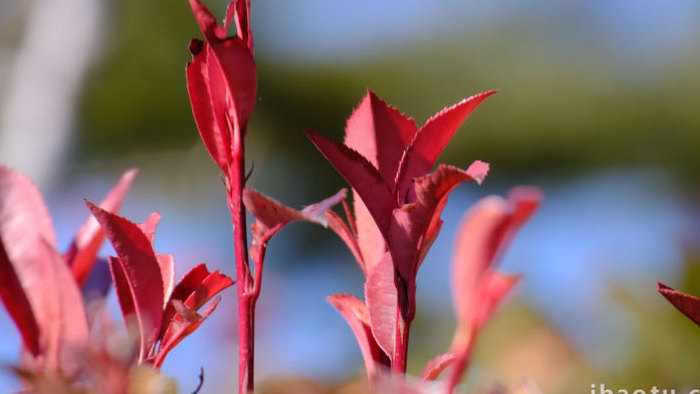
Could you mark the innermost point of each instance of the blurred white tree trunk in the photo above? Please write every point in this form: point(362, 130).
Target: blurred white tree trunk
point(43, 82)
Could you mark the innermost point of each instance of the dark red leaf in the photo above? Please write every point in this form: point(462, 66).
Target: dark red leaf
point(141, 270)
point(207, 93)
point(17, 303)
point(687, 304)
point(235, 60)
point(83, 251)
point(355, 313)
point(361, 175)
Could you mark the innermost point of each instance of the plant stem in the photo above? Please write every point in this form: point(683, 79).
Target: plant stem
point(246, 301)
point(398, 364)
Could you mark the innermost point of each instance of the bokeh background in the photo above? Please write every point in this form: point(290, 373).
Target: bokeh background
point(598, 106)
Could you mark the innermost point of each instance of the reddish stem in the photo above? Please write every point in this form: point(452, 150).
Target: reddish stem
point(398, 364)
point(246, 301)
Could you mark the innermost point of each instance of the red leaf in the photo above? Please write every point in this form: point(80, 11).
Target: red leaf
point(361, 175)
point(194, 290)
point(17, 303)
point(687, 304)
point(432, 138)
point(435, 366)
point(380, 133)
point(271, 216)
point(417, 223)
point(141, 270)
point(242, 16)
point(382, 304)
point(207, 94)
point(83, 251)
point(181, 329)
point(235, 60)
point(355, 313)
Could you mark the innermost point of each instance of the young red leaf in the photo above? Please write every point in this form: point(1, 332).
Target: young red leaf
point(361, 175)
point(182, 328)
point(82, 253)
point(382, 304)
point(235, 60)
point(689, 305)
point(194, 290)
point(141, 270)
point(432, 138)
point(380, 134)
point(206, 94)
point(355, 313)
point(416, 224)
point(435, 366)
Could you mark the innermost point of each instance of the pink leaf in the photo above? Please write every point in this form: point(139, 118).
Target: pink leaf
point(483, 235)
point(355, 313)
point(382, 304)
point(494, 288)
point(432, 138)
point(83, 251)
point(141, 270)
point(435, 366)
point(29, 247)
point(687, 304)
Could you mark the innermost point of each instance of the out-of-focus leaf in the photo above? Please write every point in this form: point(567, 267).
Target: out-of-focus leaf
point(355, 313)
point(141, 271)
point(436, 365)
point(495, 286)
point(346, 235)
point(82, 253)
point(55, 301)
point(485, 232)
point(689, 305)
